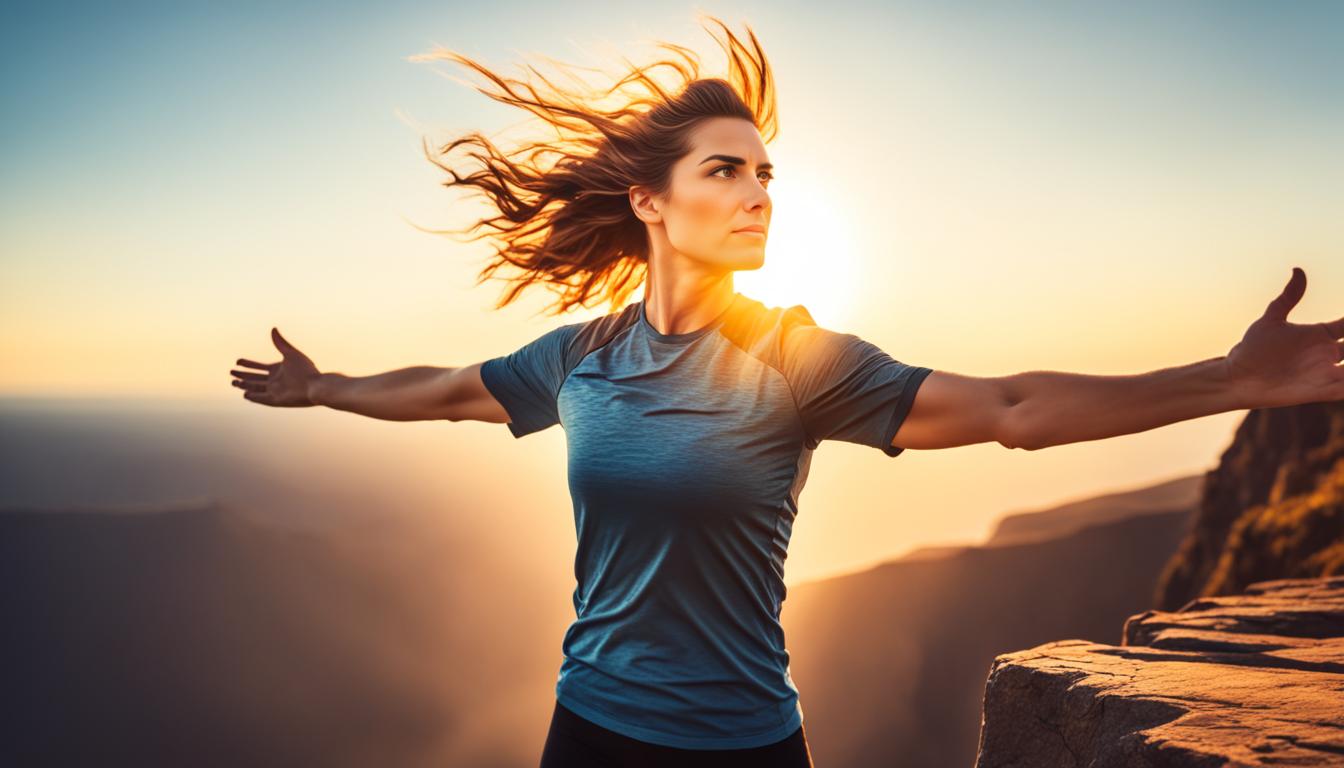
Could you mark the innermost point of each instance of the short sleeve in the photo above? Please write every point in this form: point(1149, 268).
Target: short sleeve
point(847, 388)
point(527, 380)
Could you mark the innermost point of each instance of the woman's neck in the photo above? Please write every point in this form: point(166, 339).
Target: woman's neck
point(686, 304)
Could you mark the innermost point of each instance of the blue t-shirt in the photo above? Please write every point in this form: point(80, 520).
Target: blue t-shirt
point(687, 453)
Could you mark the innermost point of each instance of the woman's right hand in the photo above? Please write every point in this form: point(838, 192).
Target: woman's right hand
point(284, 384)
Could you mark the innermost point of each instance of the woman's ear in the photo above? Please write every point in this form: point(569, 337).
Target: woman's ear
point(645, 205)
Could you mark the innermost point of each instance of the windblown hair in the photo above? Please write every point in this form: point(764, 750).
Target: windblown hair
point(563, 210)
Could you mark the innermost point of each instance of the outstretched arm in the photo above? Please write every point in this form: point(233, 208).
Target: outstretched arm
point(1055, 408)
point(417, 393)
point(1277, 363)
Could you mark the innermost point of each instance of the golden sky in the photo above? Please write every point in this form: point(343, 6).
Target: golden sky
point(982, 190)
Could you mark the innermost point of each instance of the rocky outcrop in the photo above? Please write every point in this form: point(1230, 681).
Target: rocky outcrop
point(1245, 680)
point(891, 661)
point(1273, 508)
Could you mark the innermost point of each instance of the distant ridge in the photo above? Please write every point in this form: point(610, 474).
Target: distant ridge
point(1179, 493)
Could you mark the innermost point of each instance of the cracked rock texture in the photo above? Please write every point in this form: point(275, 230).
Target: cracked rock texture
point(1273, 508)
point(1243, 680)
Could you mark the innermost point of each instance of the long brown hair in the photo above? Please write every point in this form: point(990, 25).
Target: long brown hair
point(563, 211)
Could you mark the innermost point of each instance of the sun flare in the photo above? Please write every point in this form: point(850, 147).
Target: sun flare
point(809, 256)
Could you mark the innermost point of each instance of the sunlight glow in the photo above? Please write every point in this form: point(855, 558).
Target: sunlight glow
point(810, 256)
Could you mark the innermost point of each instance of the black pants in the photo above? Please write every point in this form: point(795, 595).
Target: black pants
point(574, 742)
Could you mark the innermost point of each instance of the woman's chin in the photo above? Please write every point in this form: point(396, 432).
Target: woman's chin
point(752, 260)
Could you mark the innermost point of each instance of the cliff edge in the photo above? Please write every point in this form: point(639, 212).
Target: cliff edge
point(1251, 679)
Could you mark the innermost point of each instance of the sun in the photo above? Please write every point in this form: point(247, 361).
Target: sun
point(809, 256)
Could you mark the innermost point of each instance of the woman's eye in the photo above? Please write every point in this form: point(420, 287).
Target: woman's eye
point(767, 174)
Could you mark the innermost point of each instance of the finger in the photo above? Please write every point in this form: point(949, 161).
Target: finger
point(257, 397)
point(281, 342)
point(263, 366)
point(1336, 328)
point(1287, 299)
point(250, 376)
point(250, 386)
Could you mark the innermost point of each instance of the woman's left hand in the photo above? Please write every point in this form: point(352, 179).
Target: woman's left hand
point(1278, 363)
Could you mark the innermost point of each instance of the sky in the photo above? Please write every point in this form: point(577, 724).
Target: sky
point(983, 188)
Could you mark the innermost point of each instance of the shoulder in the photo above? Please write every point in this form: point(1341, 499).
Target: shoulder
point(584, 337)
point(762, 330)
point(778, 336)
point(556, 351)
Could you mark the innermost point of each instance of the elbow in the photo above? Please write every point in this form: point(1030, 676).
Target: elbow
point(1014, 432)
point(1020, 441)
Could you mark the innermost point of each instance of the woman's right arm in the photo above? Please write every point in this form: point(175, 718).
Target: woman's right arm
point(418, 393)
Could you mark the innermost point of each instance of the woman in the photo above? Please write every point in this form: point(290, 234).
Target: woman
point(691, 415)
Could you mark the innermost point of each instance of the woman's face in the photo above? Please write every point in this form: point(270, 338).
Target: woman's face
point(718, 188)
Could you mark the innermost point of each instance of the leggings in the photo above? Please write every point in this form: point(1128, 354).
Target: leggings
point(574, 742)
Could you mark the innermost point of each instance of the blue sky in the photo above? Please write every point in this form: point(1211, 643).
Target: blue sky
point(139, 91)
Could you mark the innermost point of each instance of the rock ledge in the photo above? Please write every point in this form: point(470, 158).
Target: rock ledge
point(1243, 680)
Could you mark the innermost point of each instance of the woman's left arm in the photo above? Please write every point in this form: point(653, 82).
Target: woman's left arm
point(1276, 363)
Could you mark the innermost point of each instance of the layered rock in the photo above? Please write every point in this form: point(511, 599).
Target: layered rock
point(1246, 680)
point(1273, 508)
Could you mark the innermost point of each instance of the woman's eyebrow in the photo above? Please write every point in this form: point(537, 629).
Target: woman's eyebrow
point(734, 161)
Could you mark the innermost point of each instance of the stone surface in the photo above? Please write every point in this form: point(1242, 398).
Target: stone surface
point(1273, 507)
point(1242, 680)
